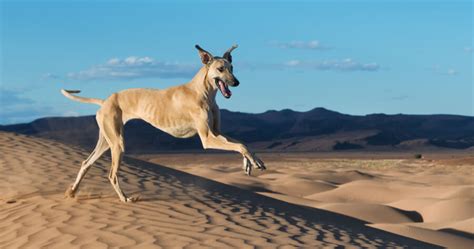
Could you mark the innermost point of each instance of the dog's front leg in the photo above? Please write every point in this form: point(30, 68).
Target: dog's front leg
point(216, 141)
point(248, 161)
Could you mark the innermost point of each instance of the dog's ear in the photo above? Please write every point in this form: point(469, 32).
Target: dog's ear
point(206, 57)
point(227, 54)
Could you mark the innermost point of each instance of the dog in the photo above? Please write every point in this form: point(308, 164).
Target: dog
point(181, 111)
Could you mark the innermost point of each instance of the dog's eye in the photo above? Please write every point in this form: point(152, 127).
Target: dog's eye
point(220, 69)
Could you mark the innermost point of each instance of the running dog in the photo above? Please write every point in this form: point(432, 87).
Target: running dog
point(181, 111)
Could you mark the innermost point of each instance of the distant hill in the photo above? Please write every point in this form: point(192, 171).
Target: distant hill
point(286, 130)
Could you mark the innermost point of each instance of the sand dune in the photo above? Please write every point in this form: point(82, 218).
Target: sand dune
point(373, 213)
point(175, 209)
point(445, 239)
point(430, 200)
point(451, 210)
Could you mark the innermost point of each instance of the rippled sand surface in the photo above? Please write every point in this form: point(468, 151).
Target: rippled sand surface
point(175, 209)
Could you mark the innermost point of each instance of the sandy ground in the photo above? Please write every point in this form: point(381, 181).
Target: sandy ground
point(175, 209)
point(430, 200)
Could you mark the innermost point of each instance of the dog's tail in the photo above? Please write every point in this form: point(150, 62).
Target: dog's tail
point(68, 94)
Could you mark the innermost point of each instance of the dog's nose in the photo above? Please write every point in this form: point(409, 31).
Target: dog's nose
point(236, 82)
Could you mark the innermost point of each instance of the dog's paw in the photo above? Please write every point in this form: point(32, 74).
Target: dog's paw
point(259, 164)
point(70, 193)
point(249, 163)
point(247, 166)
point(133, 199)
point(129, 199)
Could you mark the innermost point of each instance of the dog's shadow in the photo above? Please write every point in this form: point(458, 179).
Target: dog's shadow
point(155, 182)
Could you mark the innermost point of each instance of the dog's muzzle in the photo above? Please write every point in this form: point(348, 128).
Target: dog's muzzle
point(236, 82)
point(224, 87)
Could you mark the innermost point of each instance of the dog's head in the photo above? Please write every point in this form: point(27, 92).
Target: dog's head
point(220, 71)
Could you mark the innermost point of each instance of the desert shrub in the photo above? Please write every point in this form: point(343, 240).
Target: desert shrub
point(418, 156)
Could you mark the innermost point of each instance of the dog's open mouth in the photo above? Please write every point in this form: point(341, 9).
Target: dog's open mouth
point(224, 88)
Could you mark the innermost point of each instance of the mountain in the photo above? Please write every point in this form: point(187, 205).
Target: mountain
point(316, 130)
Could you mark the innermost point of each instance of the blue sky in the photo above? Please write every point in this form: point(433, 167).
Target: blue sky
point(355, 57)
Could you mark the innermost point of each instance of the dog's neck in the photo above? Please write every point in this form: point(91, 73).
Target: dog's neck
point(202, 86)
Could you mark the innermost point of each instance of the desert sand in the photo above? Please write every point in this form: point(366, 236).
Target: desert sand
point(429, 199)
point(292, 205)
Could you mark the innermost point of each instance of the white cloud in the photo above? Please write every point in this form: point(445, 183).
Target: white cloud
point(312, 45)
point(10, 97)
point(134, 67)
point(293, 63)
point(16, 108)
point(135, 61)
point(401, 97)
point(49, 76)
point(333, 65)
point(450, 71)
point(113, 61)
point(70, 114)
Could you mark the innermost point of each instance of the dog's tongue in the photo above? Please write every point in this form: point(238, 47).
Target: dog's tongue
point(224, 89)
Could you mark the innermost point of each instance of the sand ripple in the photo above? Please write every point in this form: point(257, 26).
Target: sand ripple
point(175, 210)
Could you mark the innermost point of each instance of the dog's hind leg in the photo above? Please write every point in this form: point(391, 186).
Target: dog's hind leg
point(112, 127)
point(100, 148)
point(117, 152)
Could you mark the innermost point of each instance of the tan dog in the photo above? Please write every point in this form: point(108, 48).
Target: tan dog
point(181, 111)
